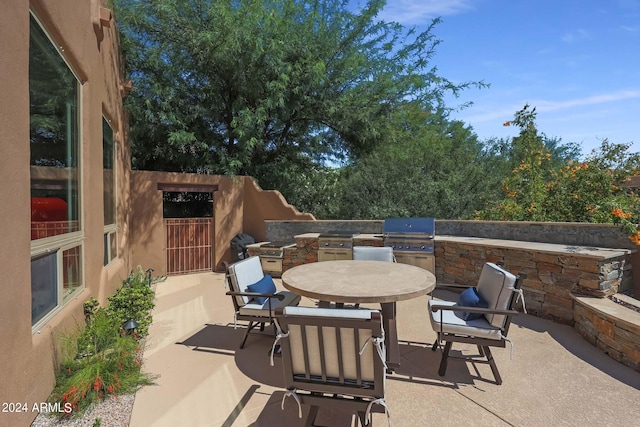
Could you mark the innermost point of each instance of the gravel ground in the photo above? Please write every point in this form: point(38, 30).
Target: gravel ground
point(112, 412)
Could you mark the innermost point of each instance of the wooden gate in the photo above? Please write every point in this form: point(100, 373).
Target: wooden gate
point(189, 245)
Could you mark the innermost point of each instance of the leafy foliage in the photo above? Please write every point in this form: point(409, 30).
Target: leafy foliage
point(102, 359)
point(232, 86)
point(443, 172)
point(114, 369)
point(133, 301)
point(592, 190)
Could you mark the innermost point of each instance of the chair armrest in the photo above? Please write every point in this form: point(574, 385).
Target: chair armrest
point(255, 294)
point(455, 286)
point(436, 307)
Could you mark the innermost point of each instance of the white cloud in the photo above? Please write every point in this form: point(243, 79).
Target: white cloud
point(542, 106)
point(591, 100)
point(418, 11)
point(576, 36)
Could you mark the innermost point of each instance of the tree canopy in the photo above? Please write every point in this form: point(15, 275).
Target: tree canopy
point(232, 87)
point(541, 188)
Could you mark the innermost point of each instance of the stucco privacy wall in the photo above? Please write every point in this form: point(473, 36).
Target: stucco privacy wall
point(239, 205)
point(261, 205)
point(27, 358)
point(147, 225)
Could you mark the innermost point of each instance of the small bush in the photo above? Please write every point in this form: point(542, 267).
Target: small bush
point(102, 359)
point(133, 301)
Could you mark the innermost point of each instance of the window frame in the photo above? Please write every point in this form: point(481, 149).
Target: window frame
point(63, 242)
point(110, 230)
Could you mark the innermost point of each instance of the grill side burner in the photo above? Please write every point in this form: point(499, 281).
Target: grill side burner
point(411, 240)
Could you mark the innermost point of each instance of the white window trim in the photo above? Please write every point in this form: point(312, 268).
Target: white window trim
point(65, 241)
point(113, 228)
point(62, 301)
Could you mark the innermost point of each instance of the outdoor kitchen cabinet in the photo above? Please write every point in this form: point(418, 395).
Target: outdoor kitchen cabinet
point(271, 266)
point(334, 255)
point(422, 260)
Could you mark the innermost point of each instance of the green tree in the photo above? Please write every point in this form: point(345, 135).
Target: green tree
point(542, 187)
point(232, 86)
point(443, 172)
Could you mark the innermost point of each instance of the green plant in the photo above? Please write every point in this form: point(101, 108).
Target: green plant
point(133, 301)
point(100, 359)
point(84, 380)
point(89, 307)
point(591, 190)
point(97, 422)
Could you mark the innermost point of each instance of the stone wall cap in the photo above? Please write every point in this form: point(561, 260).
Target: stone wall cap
point(608, 308)
point(586, 251)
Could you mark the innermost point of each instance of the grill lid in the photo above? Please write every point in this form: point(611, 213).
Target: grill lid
point(409, 226)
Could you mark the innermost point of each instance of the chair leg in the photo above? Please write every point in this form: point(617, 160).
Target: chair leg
point(311, 417)
point(434, 347)
point(246, 334)
point(362, 418)
point(445, 358)
point(492, 363)
point(252, 325)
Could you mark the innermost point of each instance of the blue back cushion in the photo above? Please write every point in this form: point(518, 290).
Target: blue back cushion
point(263, 286)
point(470, 298)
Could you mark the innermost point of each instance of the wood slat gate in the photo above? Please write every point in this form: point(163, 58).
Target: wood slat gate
point(189, 245)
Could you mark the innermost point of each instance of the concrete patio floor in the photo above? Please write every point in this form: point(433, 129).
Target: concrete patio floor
point(555, 378)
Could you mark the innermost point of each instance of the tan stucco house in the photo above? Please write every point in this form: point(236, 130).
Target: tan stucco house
point(74, 219)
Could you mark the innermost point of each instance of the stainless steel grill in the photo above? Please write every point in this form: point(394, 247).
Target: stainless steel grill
point(412, 240)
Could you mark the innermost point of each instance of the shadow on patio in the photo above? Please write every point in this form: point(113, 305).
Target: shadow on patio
point(203, 378)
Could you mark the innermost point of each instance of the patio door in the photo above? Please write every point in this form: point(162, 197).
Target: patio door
point(189, 229)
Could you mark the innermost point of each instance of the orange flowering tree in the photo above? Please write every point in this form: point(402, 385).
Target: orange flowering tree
point(594, 189)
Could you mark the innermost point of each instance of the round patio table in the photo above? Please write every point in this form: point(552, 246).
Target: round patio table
point(356, 282)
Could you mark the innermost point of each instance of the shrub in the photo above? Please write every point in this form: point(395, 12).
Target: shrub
point(102, 359)
point(133, 301)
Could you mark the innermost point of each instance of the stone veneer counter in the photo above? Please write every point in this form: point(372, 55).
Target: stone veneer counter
point(555, 273)
point(540, 247)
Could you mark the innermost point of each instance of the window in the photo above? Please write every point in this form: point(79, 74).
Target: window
point(56, 232)
point(109, 190)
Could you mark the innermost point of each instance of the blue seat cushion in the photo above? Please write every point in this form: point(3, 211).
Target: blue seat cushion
point(470, 298)
point(263, 286)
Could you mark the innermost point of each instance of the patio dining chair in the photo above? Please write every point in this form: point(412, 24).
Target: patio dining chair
point(373, 253)
point(333, 359)
point(254, 295)
point(481, 316)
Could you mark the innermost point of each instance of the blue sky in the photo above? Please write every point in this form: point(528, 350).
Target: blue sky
point(576, 61)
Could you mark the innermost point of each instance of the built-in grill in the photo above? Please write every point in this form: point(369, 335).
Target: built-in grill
point(335, 245)
point(412, 240)
point(271, 254)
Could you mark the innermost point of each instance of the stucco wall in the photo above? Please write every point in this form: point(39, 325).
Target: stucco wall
point(263, 205)
point(27, 358)
point(240, 206)
point(147, 226)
